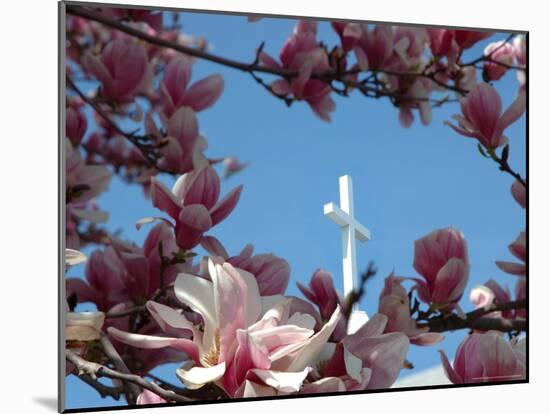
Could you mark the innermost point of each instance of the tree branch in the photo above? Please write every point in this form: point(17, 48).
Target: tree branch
point(255, 67)
point(103, 390)
point(131, 391)
point(95, 371)
point(502, 161)
point(477, 319)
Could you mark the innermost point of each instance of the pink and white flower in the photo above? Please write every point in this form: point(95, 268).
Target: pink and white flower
point(243, 337)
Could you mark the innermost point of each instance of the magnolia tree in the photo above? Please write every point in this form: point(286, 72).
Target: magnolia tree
point(226, 319)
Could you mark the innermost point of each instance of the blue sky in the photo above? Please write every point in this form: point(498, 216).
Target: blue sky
point(407, 182)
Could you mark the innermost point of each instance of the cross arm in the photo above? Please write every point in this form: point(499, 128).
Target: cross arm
point(341, 218)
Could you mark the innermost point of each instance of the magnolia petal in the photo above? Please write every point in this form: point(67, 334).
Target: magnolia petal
point(427, 339)
point(226, 205)
point(148, 220)
point(253, 389)
point(307, 353)
point(324, 385)
point(512, 113)
point(155, 342)
point(213, 246)
point(204, 93)
point(516, 269)
point(164, 200)
point(451, 374)
point(148, 397)
point(282, 381)
point(74, 257)
point(195, 377)
point(166, 316)
point(198, 294)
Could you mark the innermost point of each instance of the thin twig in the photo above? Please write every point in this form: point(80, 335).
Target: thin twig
point(103, 390)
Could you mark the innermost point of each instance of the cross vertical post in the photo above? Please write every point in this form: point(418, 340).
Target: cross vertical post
point(351, 230)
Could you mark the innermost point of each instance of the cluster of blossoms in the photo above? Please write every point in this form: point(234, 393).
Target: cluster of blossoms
point(403, 63)
point(227, 319)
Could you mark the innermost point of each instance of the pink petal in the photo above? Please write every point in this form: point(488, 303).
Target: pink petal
point(515, 269)
point(164, 200)
point(214, 247)
point(226, 205)
point(449, 370)
point(204, 93)
point(155, 342)
point(148, 397)
point(512, 113)
point(195, 377)
point(202, 187)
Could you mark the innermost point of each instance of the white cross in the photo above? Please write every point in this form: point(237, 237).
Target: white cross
point(351, 230)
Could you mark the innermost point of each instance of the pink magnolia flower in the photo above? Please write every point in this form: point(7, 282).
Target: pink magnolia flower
point(486, 357)
point(501, 54)
point(519, 249)
point(467, 38)
point(183, 149)
point(302, 53)
point(75, 125)
point(244, 336)
point(174, 91)
point(482, 116)
point(395, 305)
point(441, 258)
point(321, 292)
point(122, 69)
point(193, 204)
point(519, 192)
point(272, 273)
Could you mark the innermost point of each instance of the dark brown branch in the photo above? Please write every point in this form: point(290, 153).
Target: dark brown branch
point(95, 370)
point(477, 319)
point(502, 162)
